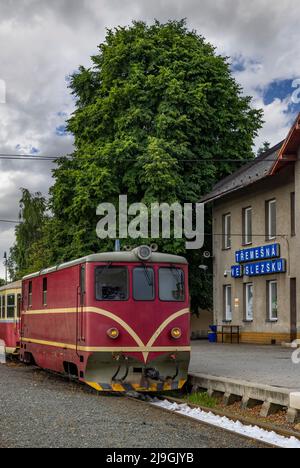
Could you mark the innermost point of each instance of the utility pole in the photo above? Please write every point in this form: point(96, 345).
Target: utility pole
point(5, 264)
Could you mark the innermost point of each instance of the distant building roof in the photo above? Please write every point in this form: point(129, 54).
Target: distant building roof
point(263, 166)
point(15, 285)
point(254, 171)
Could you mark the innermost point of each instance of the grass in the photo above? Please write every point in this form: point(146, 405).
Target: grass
point(202, 399)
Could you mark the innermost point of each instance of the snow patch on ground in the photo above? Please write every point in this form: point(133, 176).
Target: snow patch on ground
point(224, 423)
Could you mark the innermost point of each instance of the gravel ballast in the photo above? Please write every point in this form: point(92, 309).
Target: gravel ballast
point(43, 410)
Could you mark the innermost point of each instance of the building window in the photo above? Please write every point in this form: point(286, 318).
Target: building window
point(271, 219)
point(227, 303)
point(247, 226)
point(30, 294)
point(293, 214)
point(249, 302)
point(272, 301)
point(45, 288)
point(227, 231)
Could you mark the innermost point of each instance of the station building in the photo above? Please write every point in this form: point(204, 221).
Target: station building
point(256, 245)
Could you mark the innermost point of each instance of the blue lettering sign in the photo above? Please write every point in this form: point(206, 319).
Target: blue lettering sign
point(237, 271)
point(258, 253)
point(269, 267)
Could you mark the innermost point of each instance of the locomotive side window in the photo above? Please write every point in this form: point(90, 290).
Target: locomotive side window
point(143, 284)
point(45, 289)
point(11, 302)
point(171, 285)
point(30, 294)
point(111, 283)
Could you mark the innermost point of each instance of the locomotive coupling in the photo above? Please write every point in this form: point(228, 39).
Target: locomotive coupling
point(153, 374)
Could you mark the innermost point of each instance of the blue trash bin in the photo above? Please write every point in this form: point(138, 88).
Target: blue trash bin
point(212, 337)
point(213, 328)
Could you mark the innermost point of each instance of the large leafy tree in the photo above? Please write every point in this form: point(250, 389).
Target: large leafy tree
point(158, 115)
point(24, 255)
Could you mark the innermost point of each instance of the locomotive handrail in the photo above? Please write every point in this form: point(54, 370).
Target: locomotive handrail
point(77, 320)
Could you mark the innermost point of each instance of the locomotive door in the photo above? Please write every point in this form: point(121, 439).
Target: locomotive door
point(81, 295)
point(293, 306)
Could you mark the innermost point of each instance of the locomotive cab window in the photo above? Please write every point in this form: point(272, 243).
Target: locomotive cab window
point(111, 283)
point(143, 284)
point(171, 284)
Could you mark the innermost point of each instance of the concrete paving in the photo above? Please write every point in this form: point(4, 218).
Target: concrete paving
point(261, 365)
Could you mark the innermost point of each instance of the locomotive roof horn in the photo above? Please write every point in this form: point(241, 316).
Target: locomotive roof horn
point(143, 252)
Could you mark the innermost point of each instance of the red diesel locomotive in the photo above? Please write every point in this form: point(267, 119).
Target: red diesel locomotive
point(118, 321)
point(10, 311)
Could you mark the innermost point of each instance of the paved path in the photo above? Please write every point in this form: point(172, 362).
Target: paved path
point(42, 410)
point(268, 365)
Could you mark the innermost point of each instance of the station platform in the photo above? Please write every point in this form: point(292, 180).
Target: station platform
point(254, 374)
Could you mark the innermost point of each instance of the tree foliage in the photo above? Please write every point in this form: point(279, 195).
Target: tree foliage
point(263, 148)
point(23, 255)
point(154, 115)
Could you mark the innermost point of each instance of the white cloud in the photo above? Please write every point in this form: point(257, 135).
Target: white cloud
point(43, 41)
point(277, 121)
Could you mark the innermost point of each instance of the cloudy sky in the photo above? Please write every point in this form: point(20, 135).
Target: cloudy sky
point(42, 42)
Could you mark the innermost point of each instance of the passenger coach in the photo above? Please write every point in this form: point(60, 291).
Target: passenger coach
point(10, 308)
point(118, 321)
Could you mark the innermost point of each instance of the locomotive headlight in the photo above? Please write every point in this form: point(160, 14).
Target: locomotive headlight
point(176, 333)
point(113, 333)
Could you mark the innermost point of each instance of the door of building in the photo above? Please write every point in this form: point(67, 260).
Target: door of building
point(293, 288)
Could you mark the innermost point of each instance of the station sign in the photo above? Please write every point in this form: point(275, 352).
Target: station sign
point(237, 271)
point(266, 252)
point(268, 267)
point(249, 262)
point(265, 268)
